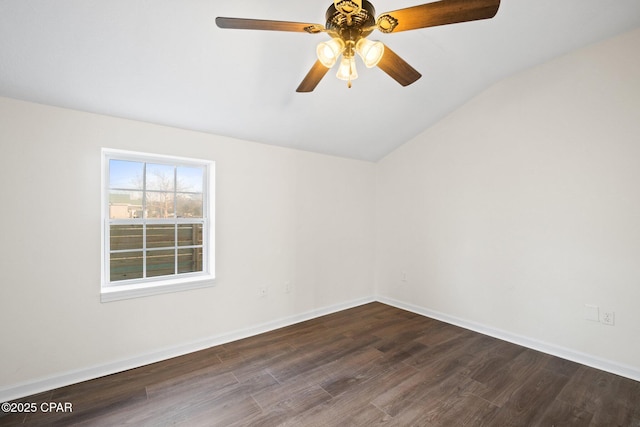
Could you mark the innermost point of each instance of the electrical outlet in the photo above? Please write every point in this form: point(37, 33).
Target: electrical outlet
point(403, 276)
point(608, 318)
point(263, 291)
point(288, 287)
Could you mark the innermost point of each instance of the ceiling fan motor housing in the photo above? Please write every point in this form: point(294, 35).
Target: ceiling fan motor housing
point(355, 26)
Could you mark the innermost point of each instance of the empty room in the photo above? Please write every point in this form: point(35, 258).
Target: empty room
point(347, 213)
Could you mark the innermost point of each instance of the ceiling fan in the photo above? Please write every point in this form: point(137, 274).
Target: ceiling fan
point(350, 22)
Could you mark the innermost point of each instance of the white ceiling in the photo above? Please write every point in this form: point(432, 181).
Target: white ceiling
point(166, 62)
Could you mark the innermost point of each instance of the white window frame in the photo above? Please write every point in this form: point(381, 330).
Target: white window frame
point(133, 288)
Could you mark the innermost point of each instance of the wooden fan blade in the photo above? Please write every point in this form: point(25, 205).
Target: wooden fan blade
point(313, 77)
point(398, 68)
point(263, 24)
point(438, 13)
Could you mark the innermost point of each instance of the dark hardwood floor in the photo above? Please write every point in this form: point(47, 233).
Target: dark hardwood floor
point(370, 365)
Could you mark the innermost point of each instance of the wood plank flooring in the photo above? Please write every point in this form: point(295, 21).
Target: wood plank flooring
point(370, 365)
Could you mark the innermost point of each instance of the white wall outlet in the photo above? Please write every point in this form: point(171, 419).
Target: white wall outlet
point(592, 312)
point(608, 318)
point(403, 276)
point(263, 291)
point(288, 287)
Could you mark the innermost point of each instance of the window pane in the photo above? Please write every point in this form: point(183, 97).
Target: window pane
point(125, 174)
point(160, 205)
point(189, 205)
point(126, 237)
point(125, 266)
point(189, 260)
point(190, 179)
point(161, 263)
point(161, 236)
point(125, 204)
point(155, 217)
point(189, 234)
point(160, 177)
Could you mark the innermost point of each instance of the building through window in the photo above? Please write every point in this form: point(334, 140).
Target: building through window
point(157, 222)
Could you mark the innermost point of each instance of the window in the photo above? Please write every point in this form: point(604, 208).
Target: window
point(157, 224)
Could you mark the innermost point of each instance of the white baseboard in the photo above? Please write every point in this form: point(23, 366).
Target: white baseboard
point(552, 349)
point(60, 380)
point(67, 378)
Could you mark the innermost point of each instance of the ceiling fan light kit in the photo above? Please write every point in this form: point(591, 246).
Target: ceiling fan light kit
point(329, 52)
point(370, 51)
point(350, 22)
point(347, 70)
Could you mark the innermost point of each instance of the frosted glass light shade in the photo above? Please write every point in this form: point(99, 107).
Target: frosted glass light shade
point(328, 52)
point(370, 51)
point(347, 70)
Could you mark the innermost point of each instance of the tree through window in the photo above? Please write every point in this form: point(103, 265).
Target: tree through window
point(156, 217)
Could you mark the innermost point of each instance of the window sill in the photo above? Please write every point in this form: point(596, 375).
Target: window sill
point(121, 292)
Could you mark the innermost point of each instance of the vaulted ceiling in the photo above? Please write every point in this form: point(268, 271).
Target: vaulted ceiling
point(166, 62)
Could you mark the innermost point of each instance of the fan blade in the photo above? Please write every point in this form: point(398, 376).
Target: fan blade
point(313, 77)
point(262, 24)
point(398, 68)
point(438, 13)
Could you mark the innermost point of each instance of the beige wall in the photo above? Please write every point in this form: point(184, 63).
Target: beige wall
point(522, 206)
point(282, 216)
